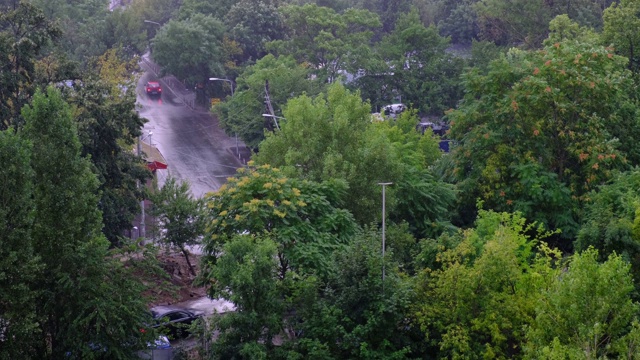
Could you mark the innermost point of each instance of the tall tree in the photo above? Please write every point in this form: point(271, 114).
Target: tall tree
point(246, 274)
point(331, 137)
point(242, 114)
point(423, 74)
point(619, 22)
point(19, 266)
point(301, 216)
point(612, 220)
point(180, 215)
point(108, 126)
point(87, 299)
point(252, 23)
point(356, 313)
point(24, 31)
point(585, 311)
point(327, 40)
point(478, 303)
point(544, 128)
point(190, 49)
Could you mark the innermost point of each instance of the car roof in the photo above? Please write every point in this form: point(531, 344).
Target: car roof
point(153, 83)
point(163, 313)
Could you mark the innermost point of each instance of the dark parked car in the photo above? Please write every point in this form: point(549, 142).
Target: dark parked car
point(174, 323)
point(153, 88)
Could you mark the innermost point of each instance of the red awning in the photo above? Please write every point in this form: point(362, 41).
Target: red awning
point(155, 165)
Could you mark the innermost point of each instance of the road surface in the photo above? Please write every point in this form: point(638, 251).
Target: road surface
point(192, 143)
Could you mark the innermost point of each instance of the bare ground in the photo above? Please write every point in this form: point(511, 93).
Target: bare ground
point(181, 286)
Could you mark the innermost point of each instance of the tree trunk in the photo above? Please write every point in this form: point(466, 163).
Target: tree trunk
point(186, 257)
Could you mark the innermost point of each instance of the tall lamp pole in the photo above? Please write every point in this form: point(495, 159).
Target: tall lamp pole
point(230, 83)
point(143, 220)
point(384, 185)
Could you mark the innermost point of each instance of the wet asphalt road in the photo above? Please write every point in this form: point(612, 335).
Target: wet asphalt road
point(192, 143)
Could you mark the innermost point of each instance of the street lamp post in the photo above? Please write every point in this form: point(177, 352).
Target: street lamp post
point(384, 185)
point(275, 119)
point(152, 22)
point(143, 230)
point(231, 84)
point(220, 79)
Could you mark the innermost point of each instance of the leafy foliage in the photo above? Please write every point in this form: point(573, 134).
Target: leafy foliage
point(327, 40)
point(423, 74)
point(543, 128)
point(108, 125)
point(242, 113)
point(612, 220)
point(19, 267)
point(584, 311)
point(190, 49)
point(619, 19)
point(300, 216)
point(356, 314)
point(181, 216)
point(253, 23)
point(328, 138)
point(85, 295)
point(247, 274)
point(24, 31)
point(478, 303)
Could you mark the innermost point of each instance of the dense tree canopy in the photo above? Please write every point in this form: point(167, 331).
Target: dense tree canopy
point(24, 31)
point(84, 296)
point(282, 78)
point(327, 40)
point(190, 49)
point(542, 128)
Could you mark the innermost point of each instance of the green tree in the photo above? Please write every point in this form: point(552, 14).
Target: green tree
point(242, 113)
point(190, 49)
point(356, 314)
point(108, 126)
point(24, 32)
point(301, 216)
point(252, 23)
point(330, 137)
point(327, 40)
point(424, 75)
point(180, 215)
point(479, 300)
point(542, 129)
point(584, 311)
point(612, 220)
point(525, 22)
point(87, 297)
point(247, 275)
point(215, 8)
point(19, 267)
point(619, 20)
point(82, 23)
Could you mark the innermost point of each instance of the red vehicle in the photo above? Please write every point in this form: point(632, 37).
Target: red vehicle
point(153, 88)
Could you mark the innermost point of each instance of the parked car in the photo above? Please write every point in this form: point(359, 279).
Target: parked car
point(174, 322)
point(393, 110)
point(153, 88)
point(160, 349)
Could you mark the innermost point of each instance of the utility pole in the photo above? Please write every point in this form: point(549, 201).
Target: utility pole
point(142, 220)
point(384, 185)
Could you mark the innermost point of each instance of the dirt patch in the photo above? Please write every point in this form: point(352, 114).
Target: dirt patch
point(180, 279)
